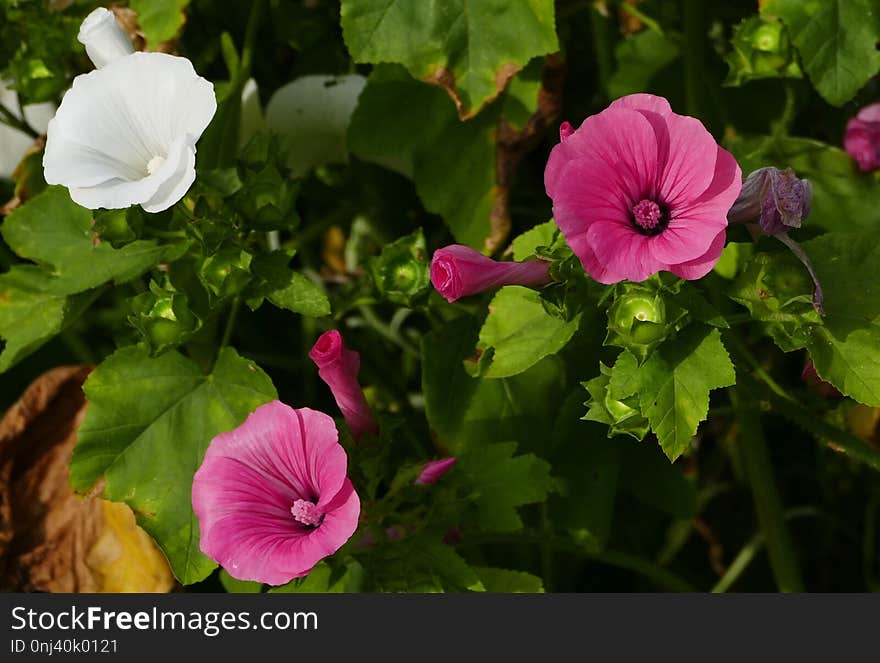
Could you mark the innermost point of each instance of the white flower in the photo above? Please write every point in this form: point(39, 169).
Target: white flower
point(14, 143)
point(315, 111)
point(104, 38)
point(125, 134)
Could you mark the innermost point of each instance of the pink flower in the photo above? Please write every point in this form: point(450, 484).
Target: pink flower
point(434, 470)
point(638, 189)
point(862, 137)
point(272, 496)
point(339, 368)
point(458, 271)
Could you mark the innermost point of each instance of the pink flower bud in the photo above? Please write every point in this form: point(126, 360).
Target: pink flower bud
point(811, 377)
point(434, 470)
point(862, 138)
point(339, 368)
point(458, 271)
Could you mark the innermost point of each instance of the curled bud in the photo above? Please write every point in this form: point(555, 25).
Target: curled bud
point(458, 271)
point(775, 199)
point(434, 470)
point(104, 38)
point(862, 138)
point(339, 367)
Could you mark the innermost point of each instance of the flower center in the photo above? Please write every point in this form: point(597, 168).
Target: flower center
point(155, 164)
point(648, 216)
point(306, 513)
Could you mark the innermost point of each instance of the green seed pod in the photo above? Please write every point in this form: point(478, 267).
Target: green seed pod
point(637, 320)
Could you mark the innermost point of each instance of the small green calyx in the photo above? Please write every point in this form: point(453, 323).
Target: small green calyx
point(163, 317)
point(401, 272)
point(637, 320)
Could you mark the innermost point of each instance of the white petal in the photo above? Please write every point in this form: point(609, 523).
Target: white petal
point(314, 111)
point(14, 143)
point(104, 38)
point(116, 120)
point(119, 193)
point(178, 183)
point(251, 112)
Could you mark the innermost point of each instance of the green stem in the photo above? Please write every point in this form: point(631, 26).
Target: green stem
point(693, 17)
point(635, 12)
point(750, 550)
point(386, 331)
point(661, 577)
point(783, 125)
point(603, 44)
point(9, 118)
point(230, 323)
point(759, 470)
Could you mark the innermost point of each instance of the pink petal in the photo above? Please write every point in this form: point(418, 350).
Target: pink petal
point(252, 475)
point(623, 250)
point(620, 139)
point(690, 166)
point(644, 102)
point(870, 113)
point(698, 268)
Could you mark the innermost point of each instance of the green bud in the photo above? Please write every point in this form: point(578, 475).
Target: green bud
point(227, 272)
point(760, 48)
point(401, 272)
point(622, 417)
point(637, 320)
point(163, 317)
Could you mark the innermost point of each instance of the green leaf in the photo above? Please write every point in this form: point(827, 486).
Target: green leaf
point(526, 245)
point(160, 20)
point(499, 482)
point(451, 162)
point(846, 348)
point(455, 176)
point(234, 586)
point(503, 581)
point(466, 411)
point(470, 47)
point(322, 579)
point(519, 332)
point(284, 287)
point(146, 430)
point(675, 384)
point(419, 564)
point(383, 128)
point(54, 231)
point(625, 376)
point(30, 316)
point(837, 42)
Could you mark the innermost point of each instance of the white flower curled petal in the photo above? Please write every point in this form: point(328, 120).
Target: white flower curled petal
point(315, 111)
point(125, 134)
point(104, 38)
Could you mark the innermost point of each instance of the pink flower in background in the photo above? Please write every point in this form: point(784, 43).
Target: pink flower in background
point(434, 470)
point(339, 367)
point(458, 271)
point(272, 496)
point(862, 137)
point(638, 189)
